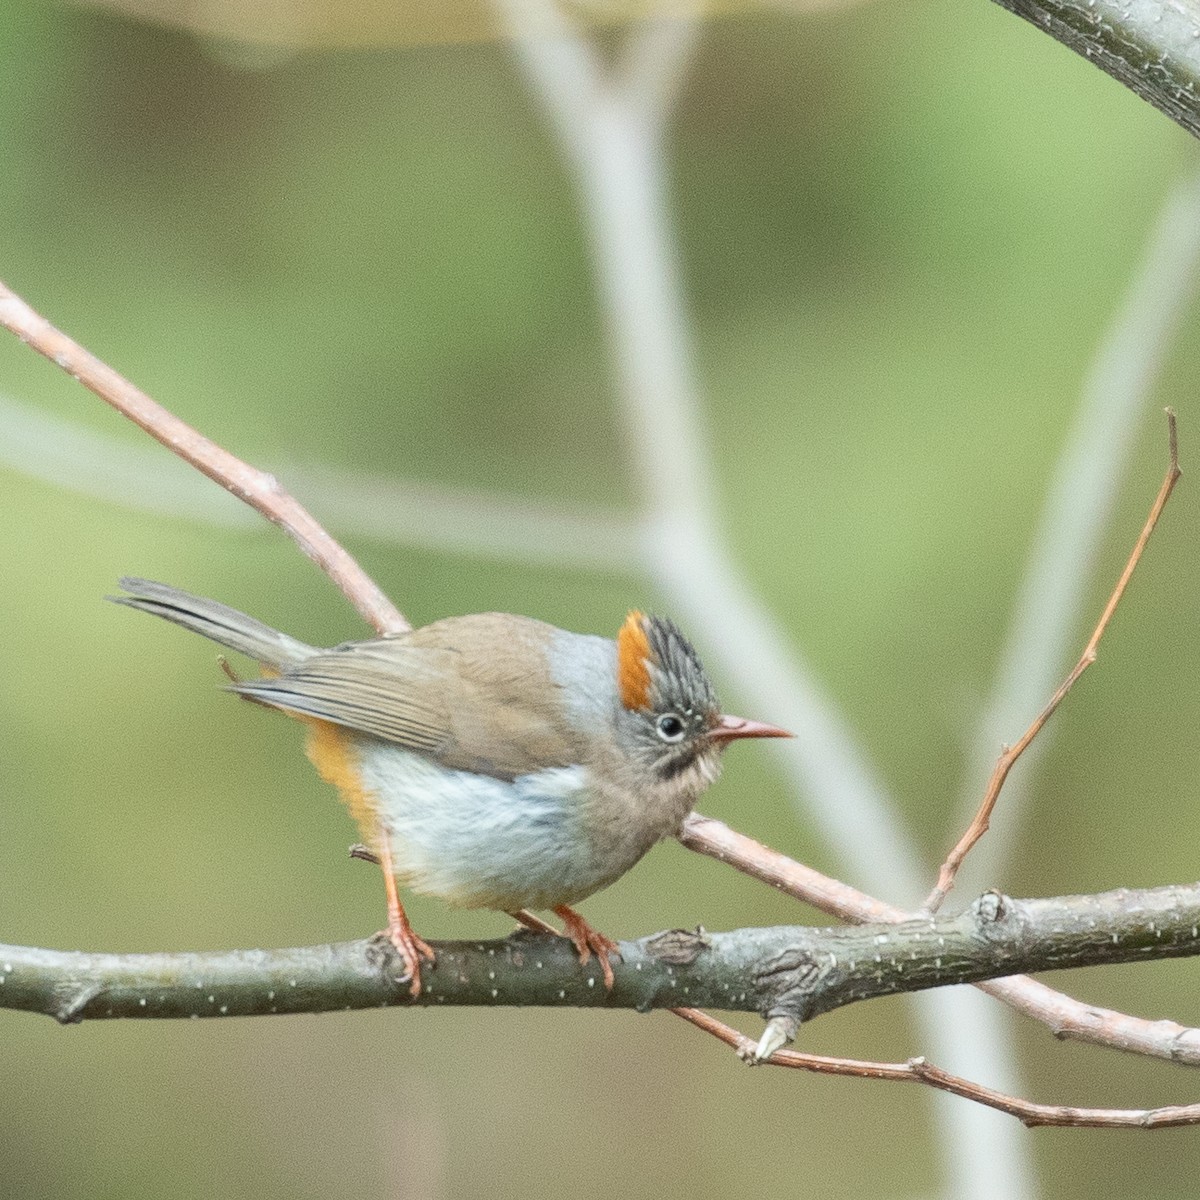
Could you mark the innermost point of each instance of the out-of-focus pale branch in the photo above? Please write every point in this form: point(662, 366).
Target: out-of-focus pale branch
point(1151, 46)
point(612, 137)
point(447, 520)
point(304, 24)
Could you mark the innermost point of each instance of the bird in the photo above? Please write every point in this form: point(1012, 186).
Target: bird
point(491, 760)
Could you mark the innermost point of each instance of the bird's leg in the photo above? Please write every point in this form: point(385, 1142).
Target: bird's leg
point(588, 941)
point(524, 917)
point(409, 946)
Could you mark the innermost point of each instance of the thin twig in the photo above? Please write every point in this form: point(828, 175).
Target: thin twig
point(257, 488)
point(1010, 754)
point(1077, 508)
point(917, 1070)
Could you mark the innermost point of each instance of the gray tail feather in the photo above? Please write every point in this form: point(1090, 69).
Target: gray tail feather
point(215, 621)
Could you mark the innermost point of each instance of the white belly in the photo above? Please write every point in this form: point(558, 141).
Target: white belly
point(481, 842)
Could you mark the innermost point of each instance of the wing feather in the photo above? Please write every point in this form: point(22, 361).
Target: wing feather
point(400, 697)
point(464, 707)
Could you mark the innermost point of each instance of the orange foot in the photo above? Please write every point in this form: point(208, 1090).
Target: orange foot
point(588, 941)
point(399, 932)
point(411, 949)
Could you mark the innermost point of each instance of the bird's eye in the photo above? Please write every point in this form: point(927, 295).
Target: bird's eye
point(670, 727)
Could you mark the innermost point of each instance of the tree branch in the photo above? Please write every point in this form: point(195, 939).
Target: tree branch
point(1151, 46)
point(788, 974)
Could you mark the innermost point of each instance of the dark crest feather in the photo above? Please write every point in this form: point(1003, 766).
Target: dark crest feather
point(678, 676)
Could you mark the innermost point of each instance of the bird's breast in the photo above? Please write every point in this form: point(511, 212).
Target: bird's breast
point(536, 841)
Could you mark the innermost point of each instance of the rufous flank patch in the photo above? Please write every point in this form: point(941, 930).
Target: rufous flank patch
point(633, 654)
point(332, 751)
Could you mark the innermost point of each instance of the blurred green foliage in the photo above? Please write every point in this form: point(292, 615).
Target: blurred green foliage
point(903, 232)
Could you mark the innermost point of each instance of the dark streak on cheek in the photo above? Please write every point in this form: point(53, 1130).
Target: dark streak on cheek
point(674, 766)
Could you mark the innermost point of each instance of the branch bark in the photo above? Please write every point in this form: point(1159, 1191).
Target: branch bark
point(1151, 46)
point(787, 974)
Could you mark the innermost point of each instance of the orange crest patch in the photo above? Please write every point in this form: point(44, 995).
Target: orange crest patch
point(633, 655)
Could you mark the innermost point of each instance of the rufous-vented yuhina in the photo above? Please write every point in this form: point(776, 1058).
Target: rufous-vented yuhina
point(492, 760)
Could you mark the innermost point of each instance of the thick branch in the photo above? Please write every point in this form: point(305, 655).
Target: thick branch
point(1151, 46)
point(787, 973)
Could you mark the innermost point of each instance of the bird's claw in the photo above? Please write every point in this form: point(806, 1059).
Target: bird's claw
point(589, 941)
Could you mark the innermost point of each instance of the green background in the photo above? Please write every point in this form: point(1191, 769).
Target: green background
point(904, 230)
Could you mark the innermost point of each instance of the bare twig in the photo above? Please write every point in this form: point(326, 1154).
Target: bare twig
point(614, 143)
point(1010, 754)
point(257, 488)
point(1076, 510)
point(918, 1070)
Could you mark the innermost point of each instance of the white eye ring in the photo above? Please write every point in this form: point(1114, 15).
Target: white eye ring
point(670, 727)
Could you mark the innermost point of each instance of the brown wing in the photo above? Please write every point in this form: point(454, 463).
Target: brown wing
point(470, 692)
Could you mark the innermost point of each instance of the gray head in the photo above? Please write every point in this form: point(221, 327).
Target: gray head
point(670, 708)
